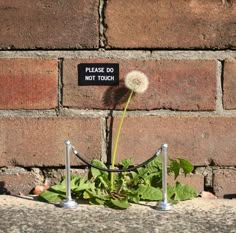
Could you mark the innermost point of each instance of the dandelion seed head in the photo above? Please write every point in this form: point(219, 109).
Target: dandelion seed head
point(136, 81)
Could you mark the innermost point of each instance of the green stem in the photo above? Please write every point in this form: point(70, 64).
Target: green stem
point(118, 137)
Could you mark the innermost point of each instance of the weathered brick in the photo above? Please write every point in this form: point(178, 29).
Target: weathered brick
point(224, 183)
point(21, 183)
point(40, 141)
point(28, 83)
point(201, 140)
point(49, 24)
point(230, 84)
point(180, 85)
point(170, 24)
point(193, 180)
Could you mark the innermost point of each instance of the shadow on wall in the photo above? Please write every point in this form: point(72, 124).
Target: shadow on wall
point(3, 190)
point(116, 95)
point(113, 97)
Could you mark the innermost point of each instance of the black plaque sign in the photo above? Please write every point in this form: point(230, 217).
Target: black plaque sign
point(98, 74)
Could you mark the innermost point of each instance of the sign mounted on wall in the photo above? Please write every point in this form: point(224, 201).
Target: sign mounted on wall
point(98, 74)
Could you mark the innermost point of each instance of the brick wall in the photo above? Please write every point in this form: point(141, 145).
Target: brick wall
point(186, 48)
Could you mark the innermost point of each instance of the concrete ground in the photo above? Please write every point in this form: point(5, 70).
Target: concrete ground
point(19, 214)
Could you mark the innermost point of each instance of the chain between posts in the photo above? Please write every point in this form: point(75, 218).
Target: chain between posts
point(116, 170)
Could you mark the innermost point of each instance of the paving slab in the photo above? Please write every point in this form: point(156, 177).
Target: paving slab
point(19, 214)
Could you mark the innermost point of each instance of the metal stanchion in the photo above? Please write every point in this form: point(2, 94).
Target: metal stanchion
point(164, 205)
point(68, 202)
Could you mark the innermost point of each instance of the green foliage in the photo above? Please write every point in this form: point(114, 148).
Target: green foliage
point(142, 184)
point(177, 165)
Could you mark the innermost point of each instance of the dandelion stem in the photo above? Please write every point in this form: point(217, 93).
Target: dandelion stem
point(118, 137)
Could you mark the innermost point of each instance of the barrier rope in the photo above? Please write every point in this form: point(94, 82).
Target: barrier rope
point(115, 170)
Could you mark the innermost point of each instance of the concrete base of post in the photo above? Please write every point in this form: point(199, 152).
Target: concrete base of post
point(164, 206)
point(68, 204)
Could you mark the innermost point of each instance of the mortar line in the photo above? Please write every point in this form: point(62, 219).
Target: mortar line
point(103, 140)
point(219, 88)
point(159, 112)
point(105, 113)
point(60, 85)
point(28, 113)
point(102, 37)
point(123, 54)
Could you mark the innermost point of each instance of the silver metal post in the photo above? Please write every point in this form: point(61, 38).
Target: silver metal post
point(68, 202)
point(164, 205)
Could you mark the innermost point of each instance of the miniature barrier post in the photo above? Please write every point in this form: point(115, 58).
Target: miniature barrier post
point(164, 205)
point(68, 202)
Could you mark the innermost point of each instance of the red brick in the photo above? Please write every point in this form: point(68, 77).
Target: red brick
point(224, 183)
point(230, 84)
point(40, 141)
point(49, 24)
point(16, 184)
point(28, 83)
point(201, 140)
point(180, 85)
point(170, 24)
point(193, 180)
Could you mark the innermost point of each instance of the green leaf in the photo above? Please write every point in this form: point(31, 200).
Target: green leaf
point(101, 194)
point(156, 180)
point(51, 196)
point(125, 163)
point(134, 174)
point(98, 163)
point(184, 192)
point(120, 203)
point(152, 179)
point(87, 194)
point(98, 193)
point(170, 191)
point(97, 201)
point(141, 171)
point(95, 172)
point(63, 181)
point(132, 195)
point(135, 178)
point(186, 166)
point(174, 167)
point(150, 193)
point(104, 182)
point(58, 188)
point(155, 164)
point(134, 198)
point(76, 180)
point(83, 186)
